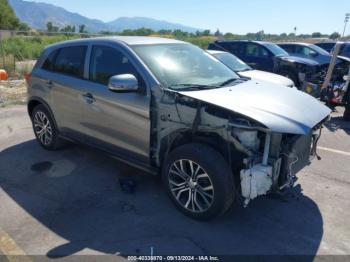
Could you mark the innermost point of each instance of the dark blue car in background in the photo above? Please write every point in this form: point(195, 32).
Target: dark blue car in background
point(321, 56)
point(270, 57)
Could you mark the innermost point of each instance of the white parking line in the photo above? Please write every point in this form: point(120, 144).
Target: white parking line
point(334, 151)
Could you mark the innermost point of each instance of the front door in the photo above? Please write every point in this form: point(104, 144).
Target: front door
point(258, 57)
point(116, 120)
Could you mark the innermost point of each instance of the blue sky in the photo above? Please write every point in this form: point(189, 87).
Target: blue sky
point(237, 16)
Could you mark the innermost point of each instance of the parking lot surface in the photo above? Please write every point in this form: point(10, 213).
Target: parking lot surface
point(70, 202)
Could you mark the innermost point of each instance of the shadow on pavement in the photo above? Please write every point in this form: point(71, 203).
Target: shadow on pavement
point(338, 123)
point(75, 193)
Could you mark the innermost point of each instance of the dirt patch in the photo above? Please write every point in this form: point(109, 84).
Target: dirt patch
point(13, 92)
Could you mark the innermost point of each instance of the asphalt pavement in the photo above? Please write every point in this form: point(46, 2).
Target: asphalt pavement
point(70, 202)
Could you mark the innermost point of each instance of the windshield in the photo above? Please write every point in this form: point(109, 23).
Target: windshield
point(318, 49)
point(232, 62)
point(179, 65)
point(275, 49)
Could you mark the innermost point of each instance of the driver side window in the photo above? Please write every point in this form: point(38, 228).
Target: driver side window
point(106, 62)
point(255, 50)
point(303, 50)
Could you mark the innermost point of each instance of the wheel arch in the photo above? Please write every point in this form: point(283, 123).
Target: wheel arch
point(212, 139)
point(34, 102)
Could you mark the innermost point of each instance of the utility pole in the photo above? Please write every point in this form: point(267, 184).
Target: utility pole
point(347, 16)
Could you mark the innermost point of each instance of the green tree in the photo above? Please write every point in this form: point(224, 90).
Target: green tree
point(52, 28)
point(49, 27)
point(283, 35)
point(82, 29)
point(206, 33)
point(164, 32)
point(316, 35)
point(179, 33)
point(8, 19)
point(334, 35)
point(218, 33)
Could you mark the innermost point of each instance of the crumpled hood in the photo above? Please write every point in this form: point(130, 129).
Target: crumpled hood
point(266, 76)
point(297, 59)
point(282, 110)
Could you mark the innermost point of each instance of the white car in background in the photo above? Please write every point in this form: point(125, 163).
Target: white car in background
point(244, 70)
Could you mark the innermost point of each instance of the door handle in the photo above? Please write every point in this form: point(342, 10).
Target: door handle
point(49, 83)
point(89, 98)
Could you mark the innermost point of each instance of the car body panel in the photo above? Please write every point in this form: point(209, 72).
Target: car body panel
point(255, 74)
point(321, 58)
point(274, 60)
point(141, 123)
point(75, 116)
point(281, 110)
point(268, 77)
point(302, 60)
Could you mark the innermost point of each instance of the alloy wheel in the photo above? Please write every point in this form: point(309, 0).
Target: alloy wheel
point(42, 128)
point(191, 186)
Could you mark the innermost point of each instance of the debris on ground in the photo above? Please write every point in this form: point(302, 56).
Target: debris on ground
point(13, 92)
point(127, 185)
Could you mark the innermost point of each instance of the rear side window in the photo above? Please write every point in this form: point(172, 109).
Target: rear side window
point(49, 62)
point(106, 62)
point(255, 50)
point(70, 61)
point(234, 48)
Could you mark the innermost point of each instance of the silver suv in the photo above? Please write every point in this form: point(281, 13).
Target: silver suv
point(170, 108)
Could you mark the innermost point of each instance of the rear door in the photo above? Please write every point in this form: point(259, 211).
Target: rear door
point(290, 49)
point(117, 121)
point(64, 79)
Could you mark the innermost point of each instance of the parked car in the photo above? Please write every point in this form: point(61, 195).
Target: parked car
point(270, 57)
point(170, 108)
point(244, 70)
point(344, 49)
point(319, 55)
point(328, 46)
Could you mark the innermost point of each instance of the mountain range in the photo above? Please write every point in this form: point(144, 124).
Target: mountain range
point(37, 15)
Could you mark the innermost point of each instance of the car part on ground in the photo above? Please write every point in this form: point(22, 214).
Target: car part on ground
point(189, 116)
point(245, 70)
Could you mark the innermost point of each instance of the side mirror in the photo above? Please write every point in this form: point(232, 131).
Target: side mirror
point(123, 83)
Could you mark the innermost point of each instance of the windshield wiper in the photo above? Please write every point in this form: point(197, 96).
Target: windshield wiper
point(229, 81)
point(193, 86)
point(244, 70)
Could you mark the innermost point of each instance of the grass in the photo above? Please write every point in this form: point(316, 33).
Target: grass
point(30, 47)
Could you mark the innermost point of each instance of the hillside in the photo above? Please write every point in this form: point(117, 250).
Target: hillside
point(37, 15)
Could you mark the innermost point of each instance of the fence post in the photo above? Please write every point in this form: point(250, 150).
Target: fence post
point(2, 50)
point(14, 65)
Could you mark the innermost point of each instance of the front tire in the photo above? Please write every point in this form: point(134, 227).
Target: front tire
point(44, 127)
point(199, 181)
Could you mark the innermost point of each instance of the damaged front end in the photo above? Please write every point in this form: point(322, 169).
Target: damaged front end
point(265, 149)
point(272, 168)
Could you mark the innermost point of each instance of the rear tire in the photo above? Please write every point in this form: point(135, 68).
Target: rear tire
point(45, 129)
point(199, 181)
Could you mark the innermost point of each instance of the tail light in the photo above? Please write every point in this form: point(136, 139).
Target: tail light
point(27, 76)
